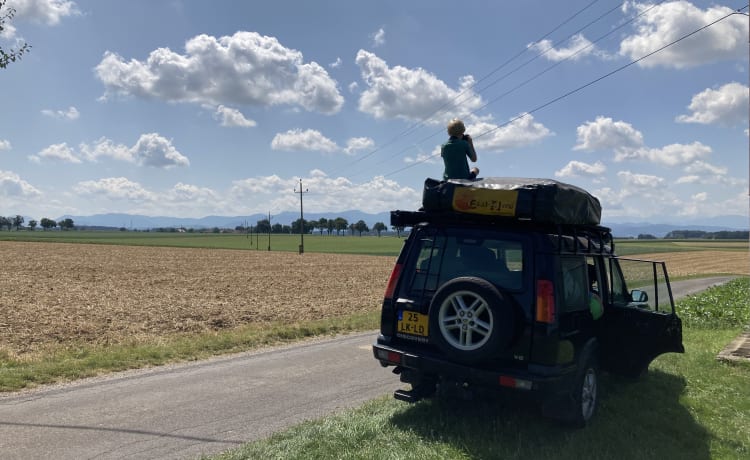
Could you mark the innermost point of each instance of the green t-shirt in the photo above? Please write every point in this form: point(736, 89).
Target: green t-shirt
point(455, 153)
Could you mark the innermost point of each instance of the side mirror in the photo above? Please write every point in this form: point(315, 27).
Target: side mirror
point(638, 296)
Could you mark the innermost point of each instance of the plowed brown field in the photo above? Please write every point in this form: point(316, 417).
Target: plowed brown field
point(53, 293)
point(62, 293)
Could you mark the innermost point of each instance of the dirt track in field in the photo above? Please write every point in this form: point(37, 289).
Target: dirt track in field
point(62, 293)
point(55, 293)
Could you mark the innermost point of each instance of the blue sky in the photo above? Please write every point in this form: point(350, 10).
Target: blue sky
point(194, 108)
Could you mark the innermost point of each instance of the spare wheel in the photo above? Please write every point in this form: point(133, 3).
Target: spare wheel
point(470, 319)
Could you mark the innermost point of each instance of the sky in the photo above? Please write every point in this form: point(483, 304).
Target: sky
point(195, 108)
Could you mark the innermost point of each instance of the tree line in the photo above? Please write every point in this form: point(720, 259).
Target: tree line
point(337, 226)
point(698, 234)
point(17, 222)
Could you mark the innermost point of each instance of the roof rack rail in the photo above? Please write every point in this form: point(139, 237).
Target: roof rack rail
point(593, 234)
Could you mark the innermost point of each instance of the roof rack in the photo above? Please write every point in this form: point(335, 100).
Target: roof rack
point(592, 234)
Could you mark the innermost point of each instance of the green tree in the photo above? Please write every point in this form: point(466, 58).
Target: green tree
point(263, 226)
point(66, 224)
point(32, 224)
point(331, 226)
point(5, 222)
point(277, 228)
point(361, 226)
point(398, 230)
point(48, 223)
point(307, 226)
point(11, 55)
point(18, 221)
point(341, 224)
point(322, 224)
point(379, 227)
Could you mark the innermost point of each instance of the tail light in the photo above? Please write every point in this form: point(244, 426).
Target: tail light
point(392, 281)
point(545, 301)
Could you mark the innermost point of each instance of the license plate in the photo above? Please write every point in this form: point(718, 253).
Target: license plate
point(413, 323)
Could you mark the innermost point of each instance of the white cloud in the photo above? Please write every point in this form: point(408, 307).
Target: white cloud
point(11, 185)
point(105, 148)
point(150, 150)
point(336, 64)
point(424, 157)
point(578, 47)
point(245, 68)
point(298, 140)
point(411, 94)
point(703, 168)
point(115, 188)
point(70, 114)
point(701, 196)
point(670, 155)
point(326, 193)
point(356, 144)
point(232, 117)
point(726, 105)
point(640, 180)
point(48, 12)
point(521, 132)
point(5, 144)
point(60, 152)
point(157, 151)
point(669, 21)
point(605, 134)
point(578, 168)
point(378, 38)
point(691, 179)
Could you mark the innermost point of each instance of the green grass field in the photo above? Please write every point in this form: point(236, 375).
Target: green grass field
point(366, 245)
point(389, 245)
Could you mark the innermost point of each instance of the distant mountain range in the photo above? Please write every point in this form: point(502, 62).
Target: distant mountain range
point(140, 222)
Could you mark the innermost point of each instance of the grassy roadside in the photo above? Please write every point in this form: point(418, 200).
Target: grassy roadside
point(689, 406)
point(71, 362)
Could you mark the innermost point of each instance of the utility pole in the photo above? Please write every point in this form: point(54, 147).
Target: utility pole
point(269, 230)
point(301, 218)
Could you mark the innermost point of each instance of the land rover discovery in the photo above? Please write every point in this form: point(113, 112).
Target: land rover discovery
point(537, 304)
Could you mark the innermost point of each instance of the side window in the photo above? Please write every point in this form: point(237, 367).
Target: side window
point(574, 276)
point(619, 295)
point(425, 267)
point(593, 271)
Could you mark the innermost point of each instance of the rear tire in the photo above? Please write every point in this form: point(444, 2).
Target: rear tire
point(585, 391)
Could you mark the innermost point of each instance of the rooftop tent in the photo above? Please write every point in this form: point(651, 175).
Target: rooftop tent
point(538, 200)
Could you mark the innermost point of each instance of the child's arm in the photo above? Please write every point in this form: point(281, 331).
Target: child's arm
point(472, 152)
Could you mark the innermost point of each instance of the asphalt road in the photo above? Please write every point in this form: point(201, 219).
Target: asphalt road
point(185, 411)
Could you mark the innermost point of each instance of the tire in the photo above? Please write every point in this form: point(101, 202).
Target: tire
point(585, 392)
point(470, 320)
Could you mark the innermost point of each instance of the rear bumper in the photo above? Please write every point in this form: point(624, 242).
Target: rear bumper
point(539, 380)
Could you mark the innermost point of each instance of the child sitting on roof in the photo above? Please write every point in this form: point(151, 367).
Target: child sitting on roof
point(455, 153)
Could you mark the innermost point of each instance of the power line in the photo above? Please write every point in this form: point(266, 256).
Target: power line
point(586, 85)
point(423, 121)
point(529, 80)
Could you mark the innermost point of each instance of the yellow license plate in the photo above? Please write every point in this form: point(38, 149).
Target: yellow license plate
point(413, 323)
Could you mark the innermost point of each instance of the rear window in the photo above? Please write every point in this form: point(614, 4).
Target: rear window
point(440, 256)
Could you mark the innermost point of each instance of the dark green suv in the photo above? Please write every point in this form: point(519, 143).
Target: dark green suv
point(528, 304)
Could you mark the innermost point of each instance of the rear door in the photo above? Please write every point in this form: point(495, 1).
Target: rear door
point(639, 321)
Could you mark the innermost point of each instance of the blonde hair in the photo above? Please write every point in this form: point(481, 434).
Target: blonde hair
point(456, 127)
